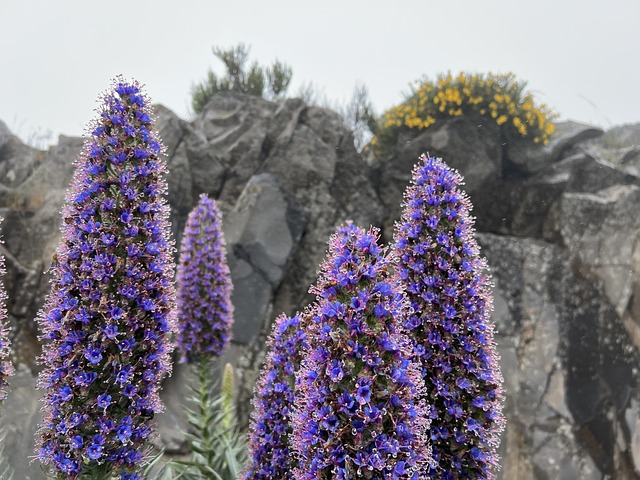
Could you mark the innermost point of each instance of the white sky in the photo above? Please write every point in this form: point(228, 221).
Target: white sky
point(56, 56)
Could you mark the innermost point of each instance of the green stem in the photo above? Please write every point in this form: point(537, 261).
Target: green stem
point(205, 391)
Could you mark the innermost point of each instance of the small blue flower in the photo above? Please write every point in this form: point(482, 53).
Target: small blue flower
point(94, 452)
point(104, 400)
point(65, 394)
point(84, 379)
point(143, 117)
point(77, 442)
point(93, 354)
point(126, 217)
point(140, 153)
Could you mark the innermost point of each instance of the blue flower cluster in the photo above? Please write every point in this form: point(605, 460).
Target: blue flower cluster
point(450, 293)
point(358, 413)
point(270, 451)
point(110, 313)
point(205, 312)
point(6, 367)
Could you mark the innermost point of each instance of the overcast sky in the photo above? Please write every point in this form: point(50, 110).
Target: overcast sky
point(580, 57)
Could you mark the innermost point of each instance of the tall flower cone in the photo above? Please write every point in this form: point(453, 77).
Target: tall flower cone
point(358, 412)
point(205, 319)
point(110, 313)
point(205, 311)
point(271, 428)
point(450, 293)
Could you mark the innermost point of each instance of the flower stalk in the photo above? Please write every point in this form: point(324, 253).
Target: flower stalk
point(358, 412)
point(449, 290)
point(270, 432)
point(205, 311)
point(108, 318)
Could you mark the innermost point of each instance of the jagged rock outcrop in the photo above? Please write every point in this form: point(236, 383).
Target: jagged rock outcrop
point(558, 226)
point(568, 364)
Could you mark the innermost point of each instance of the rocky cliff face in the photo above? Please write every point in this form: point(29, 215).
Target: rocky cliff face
point(560, 231)
point(558, 226)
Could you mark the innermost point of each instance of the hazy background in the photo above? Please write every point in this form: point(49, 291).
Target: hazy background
point(580, 57)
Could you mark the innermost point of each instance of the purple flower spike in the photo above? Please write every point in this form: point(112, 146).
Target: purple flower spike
point(358, 413)
point(270, 452)
point(6, 367)
point(204, 286)
point(108, 319)
point(450, 295)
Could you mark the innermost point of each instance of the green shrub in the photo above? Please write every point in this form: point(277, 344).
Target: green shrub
point(218, 448)
point(268, 82)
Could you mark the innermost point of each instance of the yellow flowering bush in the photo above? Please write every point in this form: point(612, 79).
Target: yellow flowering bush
point(499, 97)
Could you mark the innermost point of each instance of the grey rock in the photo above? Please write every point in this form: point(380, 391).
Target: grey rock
point(170, 127)
point(566, 135)
point(58, 164)
point(558, 382)
point(631, 160)
point(20, 419)
point(172, 423)
point(257, 230)
point(555, 457)
point(524, 159)
point(235, 128)
point(528, 320)
point(252, 297)
point(619, 145)
point(328, 125)
point(627, 135)
point(304, 164)
point(501, 316)
point(473, 148)
point(588, 173)
point(514, 459)
point(635, 446)
point(531, 200)
point(569, 134)
point(4, 132)
point(352, 188)
point(180, 184)
point(17, 160)
point(208, 167)
point(284, 122)
point(602, 230)
point(528, 206)
point(556, 393)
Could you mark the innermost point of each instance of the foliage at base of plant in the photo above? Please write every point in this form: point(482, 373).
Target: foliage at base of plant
point(499, 97)
point(218, 448)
